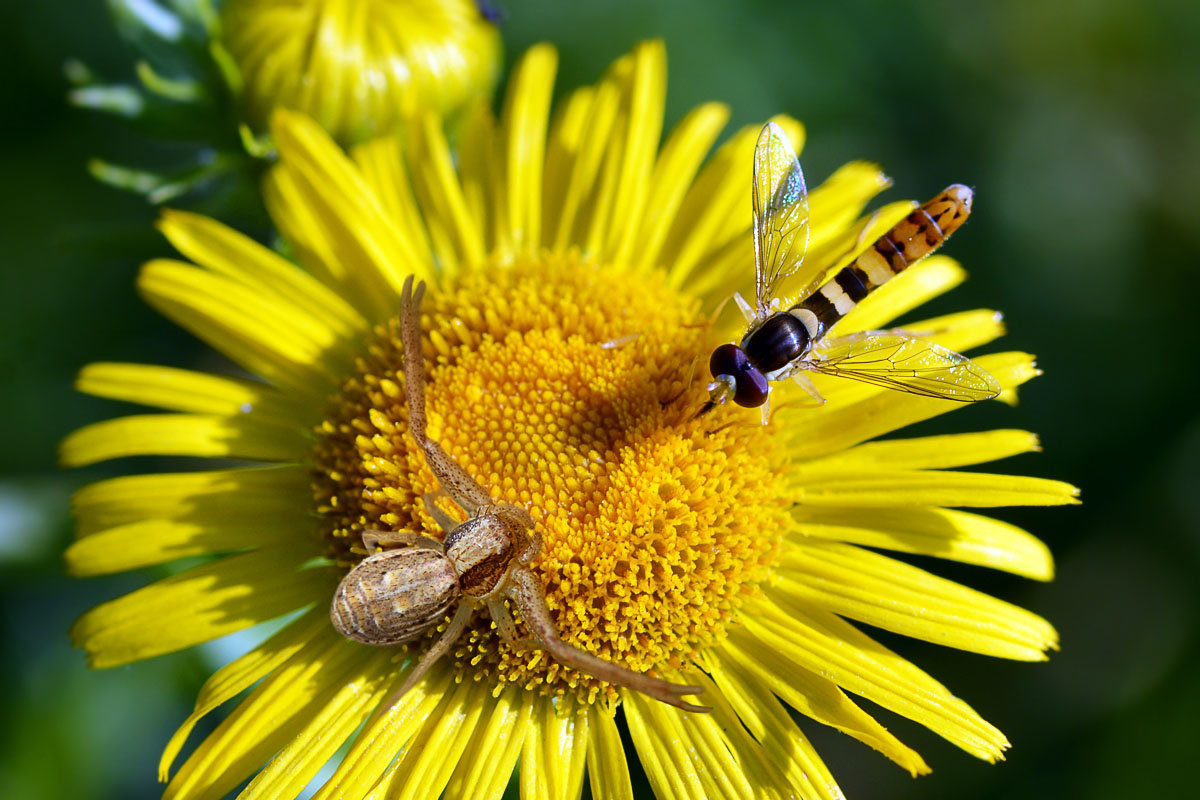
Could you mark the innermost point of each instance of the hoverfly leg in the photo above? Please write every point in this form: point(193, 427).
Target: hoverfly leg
point(805, 383)
point(712, 318)
point(766, 409)
point(747, 312)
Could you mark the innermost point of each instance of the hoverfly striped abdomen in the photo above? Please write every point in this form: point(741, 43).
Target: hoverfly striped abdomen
point(910, 240)
point(925, 229)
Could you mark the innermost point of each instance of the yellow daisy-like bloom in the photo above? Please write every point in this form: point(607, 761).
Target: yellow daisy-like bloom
point(360, 67)
point(570, 260)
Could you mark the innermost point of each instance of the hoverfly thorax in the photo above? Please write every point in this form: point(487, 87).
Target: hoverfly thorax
point(776, 343)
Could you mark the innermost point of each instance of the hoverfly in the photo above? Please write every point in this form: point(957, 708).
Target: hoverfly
point(786, 337)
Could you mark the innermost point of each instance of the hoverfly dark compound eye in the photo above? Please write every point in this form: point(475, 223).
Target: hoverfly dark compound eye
point(728, 359)
point(750, 385)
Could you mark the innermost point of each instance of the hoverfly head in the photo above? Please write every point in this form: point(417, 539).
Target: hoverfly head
point(735, 377)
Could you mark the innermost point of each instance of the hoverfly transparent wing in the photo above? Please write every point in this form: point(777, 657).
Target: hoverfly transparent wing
point(906, 364)
point(780, 206)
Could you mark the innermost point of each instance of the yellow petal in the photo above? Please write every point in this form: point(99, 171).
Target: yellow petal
point(677, 164)
point(895, 596)
point(278, 708)
point(381, 162)
point(812, 695)
point(155, 541)
point(555, 751)
point(894, 487)
point(663, 755)
point(635, 149)
point(294, 330)
point(607, 769)
point(326, 727)
point(861, 666)
point(238, 676)
point(840, 238)
point(185, 390)
point(839, 200)
point(724, 729)
point(487, 763)
point(940, 532)
point(481, 173)
point(251, 330)
point(716, 208)
point(716, 746)
point(693, 745)
point(962, 331)
point(838, 425)
point(524, 122)
point(226, 251)
point(578, 146)
point(927, 452)
point(201, 604)
point(303, 229)
point(568, 124)
point(834, 206)
point(424, 768)
point(914, 287)
point(264, 491)
point(722, 185)
point(782, 743)
point(457, 237)
point(376, 256)
point(202, 435)
point(384, 736)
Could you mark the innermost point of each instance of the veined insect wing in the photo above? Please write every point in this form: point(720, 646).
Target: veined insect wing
point(905, 364)
point(780, 211)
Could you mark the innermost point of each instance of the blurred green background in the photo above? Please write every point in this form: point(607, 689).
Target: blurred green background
point(1078, 124)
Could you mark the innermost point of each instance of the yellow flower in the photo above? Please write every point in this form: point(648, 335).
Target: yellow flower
point(571, 262)
point(360, 67)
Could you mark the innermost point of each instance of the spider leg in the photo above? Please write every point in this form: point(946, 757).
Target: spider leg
point(454, 479)
point(444, 520)
point(525, 591)
point(374, 539)
point(453, 631)
point(507, 628)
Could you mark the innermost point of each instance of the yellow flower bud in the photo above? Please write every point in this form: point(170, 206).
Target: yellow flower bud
point(360, 67)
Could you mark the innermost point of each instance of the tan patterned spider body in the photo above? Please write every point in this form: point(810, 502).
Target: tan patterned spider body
point(397, 595)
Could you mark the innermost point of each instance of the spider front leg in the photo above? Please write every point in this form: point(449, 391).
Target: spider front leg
point(525, 591)
point(456, 482)
point(374, 539)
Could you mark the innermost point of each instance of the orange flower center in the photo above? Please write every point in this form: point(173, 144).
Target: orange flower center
point(568, 390)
